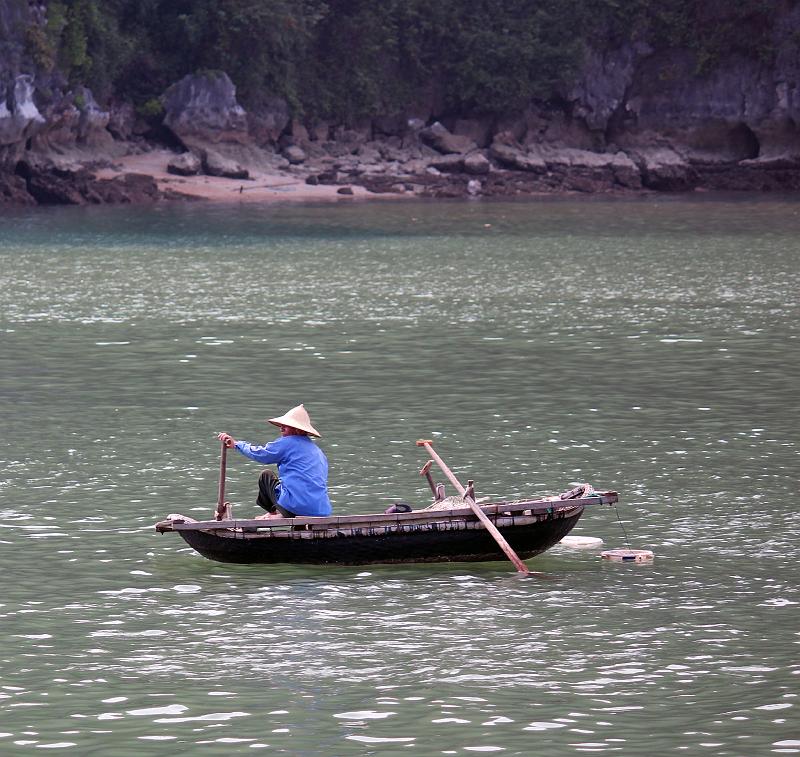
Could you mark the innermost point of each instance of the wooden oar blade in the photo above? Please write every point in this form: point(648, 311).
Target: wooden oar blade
point(482, 517)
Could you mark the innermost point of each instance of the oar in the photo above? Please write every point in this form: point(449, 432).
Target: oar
point(426, 471)
point(482, 517)
point(219, 514)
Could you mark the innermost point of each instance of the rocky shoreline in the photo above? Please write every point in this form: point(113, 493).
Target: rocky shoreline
point(429, 162)
point(621, 129)
point(481, 173)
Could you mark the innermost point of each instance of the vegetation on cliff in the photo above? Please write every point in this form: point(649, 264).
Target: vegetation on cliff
point(347, 59)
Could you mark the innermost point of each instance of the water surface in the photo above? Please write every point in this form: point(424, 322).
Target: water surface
point(647, 346)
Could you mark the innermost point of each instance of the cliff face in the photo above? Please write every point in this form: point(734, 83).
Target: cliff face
point(18, 114)
point(722, 128)
point(635, 114)
point(743, 108)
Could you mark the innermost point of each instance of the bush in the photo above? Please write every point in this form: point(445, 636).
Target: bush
point(151, 110)
point(346, 59)
point(39, 48)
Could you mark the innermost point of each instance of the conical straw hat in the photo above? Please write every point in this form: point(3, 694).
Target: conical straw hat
point(297, 417)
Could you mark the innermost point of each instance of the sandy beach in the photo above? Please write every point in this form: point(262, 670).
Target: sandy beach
point(260, 187)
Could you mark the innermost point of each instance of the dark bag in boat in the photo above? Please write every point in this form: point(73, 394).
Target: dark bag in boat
point(397, 507)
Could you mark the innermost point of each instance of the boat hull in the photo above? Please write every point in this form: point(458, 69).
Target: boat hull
point(407, 546)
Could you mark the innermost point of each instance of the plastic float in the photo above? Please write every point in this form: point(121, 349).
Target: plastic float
point(581, 542)
point(628, 555)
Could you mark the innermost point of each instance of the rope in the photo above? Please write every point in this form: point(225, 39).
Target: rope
point(624, 532)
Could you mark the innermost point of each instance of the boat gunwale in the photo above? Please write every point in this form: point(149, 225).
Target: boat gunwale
point(442, 527)
point(339, 522)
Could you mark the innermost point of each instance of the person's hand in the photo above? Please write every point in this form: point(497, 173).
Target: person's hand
point(226, 439)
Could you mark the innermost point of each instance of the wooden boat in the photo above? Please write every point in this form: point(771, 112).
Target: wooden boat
point(427, 535)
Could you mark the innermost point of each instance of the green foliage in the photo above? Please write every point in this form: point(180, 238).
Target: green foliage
point(500, 55)
point(39, 48)
point(152, 110)
point(479, 56)
point(348, 59)
point(711, 29)
point(353, 71)
point(74, 44)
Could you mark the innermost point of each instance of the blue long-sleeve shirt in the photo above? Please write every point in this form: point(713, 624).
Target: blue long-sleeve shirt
point(303, 472)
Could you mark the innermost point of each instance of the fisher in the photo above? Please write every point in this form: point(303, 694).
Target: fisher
point(301, 486)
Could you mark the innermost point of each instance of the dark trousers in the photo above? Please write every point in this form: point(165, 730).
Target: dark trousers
point(268, 496)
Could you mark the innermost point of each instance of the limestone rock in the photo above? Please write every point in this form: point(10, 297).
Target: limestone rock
point(19, 116)
point(215, 164)
point(297, 133)
point(50, 189)
point(443, 141)
point(779, 175)
point(664, 169)
point(59, 133)
point(185, 164)
point(133, 188)
point(74, 122)
point(477, 130)
point(122, 120)
point(93, 120)
point(319, 131)
point(778, 138)
point(369, 152)
point(330, 177)
point(54, 186)
point(739, 110)
point(505, 154)
point(514, 158)
point(20, 119)
point(399, 154)
point(415, 166)
point(294, 154)
point(451, 163)
point(474, 187)
point(352, 134)
point(604, 81)
point(510, 129)
point(626, 172)
point(14, 191)
point(267, 121)
point(338, 149)
point(477, 164)
point(201, 109)
point(740, 90)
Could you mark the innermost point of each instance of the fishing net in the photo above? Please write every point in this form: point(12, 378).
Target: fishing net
point(448, 503)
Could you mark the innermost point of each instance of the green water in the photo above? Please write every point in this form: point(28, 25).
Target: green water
point(647, 346)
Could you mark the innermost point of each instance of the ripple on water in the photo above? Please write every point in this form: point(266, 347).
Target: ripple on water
point(639, 346)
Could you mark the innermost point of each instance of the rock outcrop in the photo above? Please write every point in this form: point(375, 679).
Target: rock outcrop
point(202, 110)
point(215, 164)
point(185, 164)
point(73, 121)
point(20, 119)
point(635, 118)
point(77, 186)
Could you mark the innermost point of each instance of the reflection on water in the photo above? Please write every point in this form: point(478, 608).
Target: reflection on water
point(644, 346)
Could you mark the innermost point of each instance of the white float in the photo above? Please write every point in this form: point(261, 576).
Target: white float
point(582, 542)
point(628, 555)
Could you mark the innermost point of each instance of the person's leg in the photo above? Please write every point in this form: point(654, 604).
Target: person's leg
point(267, 496)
